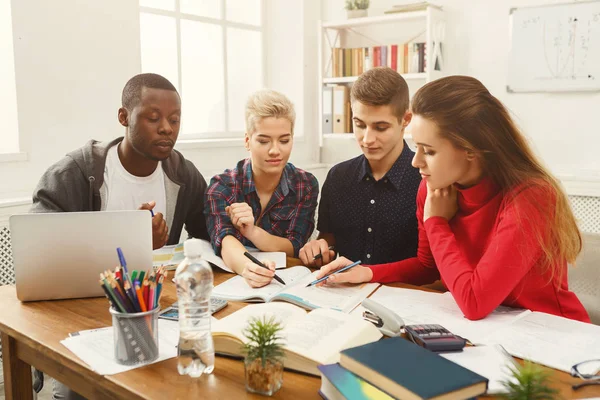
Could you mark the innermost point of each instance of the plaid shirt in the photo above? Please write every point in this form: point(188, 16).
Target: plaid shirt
point(289, 214)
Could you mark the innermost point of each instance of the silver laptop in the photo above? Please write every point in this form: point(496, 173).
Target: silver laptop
point(61, 255)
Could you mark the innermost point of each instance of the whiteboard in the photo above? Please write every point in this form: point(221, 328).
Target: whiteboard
point(555, 48)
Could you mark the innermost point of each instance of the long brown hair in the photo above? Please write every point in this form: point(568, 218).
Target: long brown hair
point(472, 119)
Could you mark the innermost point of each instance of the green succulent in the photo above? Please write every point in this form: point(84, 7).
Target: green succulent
point(529, 382)
point(264, 340)
point(357, 4)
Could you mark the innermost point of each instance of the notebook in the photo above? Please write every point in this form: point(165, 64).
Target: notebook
point(171, 256)
point(311, 338)
point(337, 383)
point(339, 297)
point(407, 371)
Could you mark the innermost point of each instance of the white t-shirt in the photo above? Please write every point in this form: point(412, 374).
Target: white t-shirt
point(129, 192)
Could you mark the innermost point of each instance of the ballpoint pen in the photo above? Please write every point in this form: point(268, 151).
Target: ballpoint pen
point(321, 255)
point(347, 267)
point(257, 262)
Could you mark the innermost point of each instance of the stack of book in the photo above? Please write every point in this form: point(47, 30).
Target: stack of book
point(420, 6)
point(397, 368)
point(403, 58)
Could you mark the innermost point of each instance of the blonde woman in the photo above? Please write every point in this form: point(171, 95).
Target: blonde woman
point(264, 202)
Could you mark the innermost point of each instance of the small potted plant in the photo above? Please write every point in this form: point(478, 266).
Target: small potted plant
point(528, 382)
point(357, 8)
point(264, 353)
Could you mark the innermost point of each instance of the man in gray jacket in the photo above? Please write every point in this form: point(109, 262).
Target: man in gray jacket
point(138, 171)
point(124, 174)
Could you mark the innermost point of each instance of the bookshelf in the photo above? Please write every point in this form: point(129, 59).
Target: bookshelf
point(425, 26)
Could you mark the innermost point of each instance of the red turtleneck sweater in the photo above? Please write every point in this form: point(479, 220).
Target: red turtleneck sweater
point(487, 254)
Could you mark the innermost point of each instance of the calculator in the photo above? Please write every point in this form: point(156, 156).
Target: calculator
point(434, 337)
point(172, 312)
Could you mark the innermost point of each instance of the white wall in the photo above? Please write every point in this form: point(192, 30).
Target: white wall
point(71, 65)
point(563, 127)
point(72, 61)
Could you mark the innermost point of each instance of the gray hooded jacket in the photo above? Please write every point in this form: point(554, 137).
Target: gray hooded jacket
point(76, 183)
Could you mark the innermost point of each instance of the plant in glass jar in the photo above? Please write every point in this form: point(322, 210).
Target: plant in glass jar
point(264, 354)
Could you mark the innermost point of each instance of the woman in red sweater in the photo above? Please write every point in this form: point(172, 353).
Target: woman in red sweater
point(494, 224)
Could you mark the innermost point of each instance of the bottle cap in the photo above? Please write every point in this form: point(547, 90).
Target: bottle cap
point(192, 248)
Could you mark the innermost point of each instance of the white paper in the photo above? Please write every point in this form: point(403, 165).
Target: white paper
point(488, 361)
point(236, 322)
point(168, 256)
point(236, 288)
point(97, 350)
point(341, 297)
point(171, 256)
point(95, 347)
point(278, 257)
point(550, 340)
point(420, 307)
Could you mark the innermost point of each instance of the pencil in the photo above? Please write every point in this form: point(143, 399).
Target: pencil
point(347, 267)
point(255, 261)
point(131, 292)
point(140, 296)
point(145, 290)
point(151, 296)
point(159, 289)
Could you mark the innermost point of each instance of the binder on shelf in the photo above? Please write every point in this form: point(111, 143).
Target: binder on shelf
point(327, 109)
point(340, 98)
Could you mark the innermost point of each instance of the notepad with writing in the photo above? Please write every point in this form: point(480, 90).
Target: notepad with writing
point(310, 338)
point(343, 297)
point(407, 371)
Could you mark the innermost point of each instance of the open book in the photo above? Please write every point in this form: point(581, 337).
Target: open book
point(311, 338)
point(171, 256)
point(339, 297)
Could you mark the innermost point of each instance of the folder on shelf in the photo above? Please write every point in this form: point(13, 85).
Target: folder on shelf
point(327, 109)
point(340, 98)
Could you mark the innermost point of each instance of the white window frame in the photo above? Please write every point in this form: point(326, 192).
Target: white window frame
point(10, 96)
point(227, 137)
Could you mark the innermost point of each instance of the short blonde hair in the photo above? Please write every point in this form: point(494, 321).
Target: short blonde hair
point(267, 103)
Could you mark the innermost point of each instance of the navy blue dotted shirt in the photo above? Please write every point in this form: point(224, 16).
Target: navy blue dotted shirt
point(372, 221)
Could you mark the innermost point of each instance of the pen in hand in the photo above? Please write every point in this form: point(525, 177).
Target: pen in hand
point(257, 262)
point(347, 267)
point(320, 255)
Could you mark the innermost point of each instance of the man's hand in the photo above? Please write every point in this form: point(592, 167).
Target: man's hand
point(160, 232)
point(241, 217)
point(357, 274)
point(257, 276)
point(314, 248)
point(441, 203)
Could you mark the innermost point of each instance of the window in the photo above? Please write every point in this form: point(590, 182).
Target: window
point(8, 90)
point(212, 51)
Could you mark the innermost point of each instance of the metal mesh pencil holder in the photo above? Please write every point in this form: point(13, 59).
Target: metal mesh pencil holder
point(135, 336)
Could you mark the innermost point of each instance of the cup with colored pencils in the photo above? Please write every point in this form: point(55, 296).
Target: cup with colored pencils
point(134, 306)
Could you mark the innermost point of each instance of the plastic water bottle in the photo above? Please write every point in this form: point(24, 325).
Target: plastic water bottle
point(194, 280)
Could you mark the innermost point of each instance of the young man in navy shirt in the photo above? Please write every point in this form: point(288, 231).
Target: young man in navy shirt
point(367, 209)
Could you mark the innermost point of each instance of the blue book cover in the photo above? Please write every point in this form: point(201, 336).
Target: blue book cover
point(351, 386)
point(407, 371)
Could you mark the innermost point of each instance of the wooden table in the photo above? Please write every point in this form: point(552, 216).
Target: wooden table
point(31, 335)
